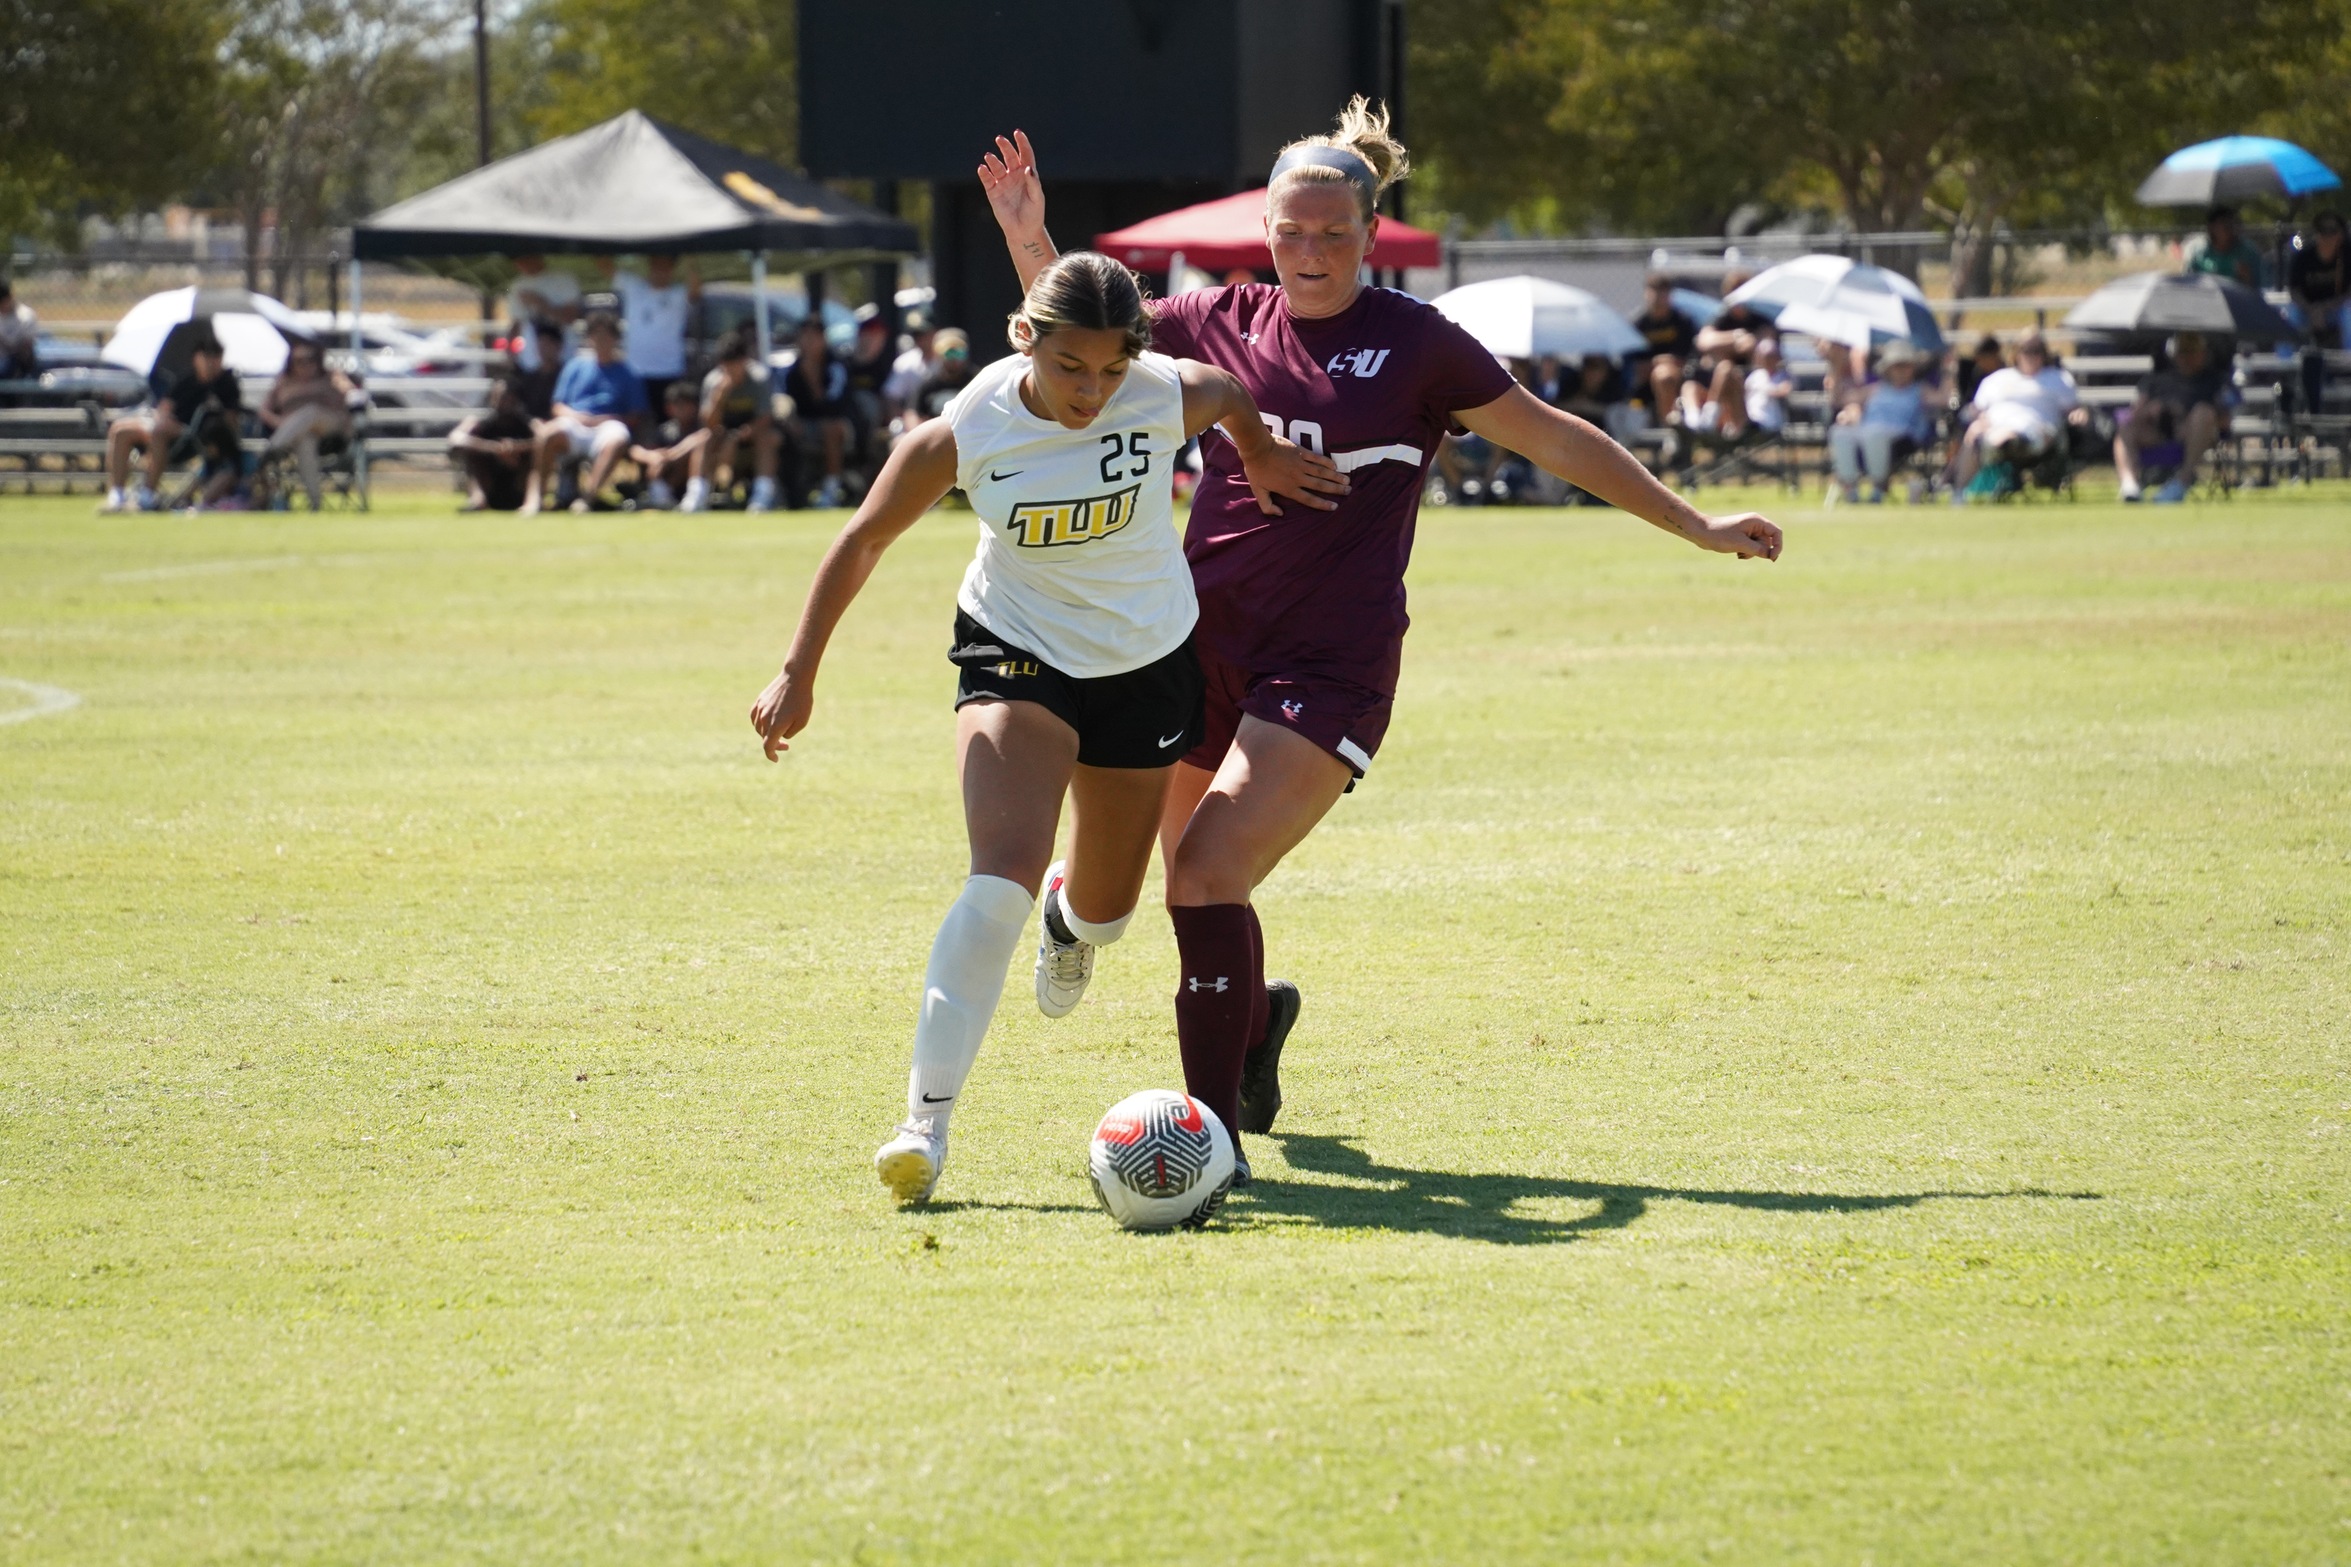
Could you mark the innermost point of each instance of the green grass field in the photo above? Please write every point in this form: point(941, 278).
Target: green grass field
point(1836, 1062)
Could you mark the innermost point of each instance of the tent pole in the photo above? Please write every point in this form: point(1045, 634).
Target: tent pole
point(759, 304)
point(358, 371)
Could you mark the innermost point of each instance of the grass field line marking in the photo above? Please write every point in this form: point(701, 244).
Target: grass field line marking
point(204, 568)
point(46, 700)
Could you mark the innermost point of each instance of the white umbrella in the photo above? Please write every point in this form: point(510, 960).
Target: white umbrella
point(1843, 300)
point(253, 330)
point(1527, 317)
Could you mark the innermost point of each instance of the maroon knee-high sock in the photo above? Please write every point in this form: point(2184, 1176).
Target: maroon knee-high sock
point(1258, 1005)
point(1213, 1003)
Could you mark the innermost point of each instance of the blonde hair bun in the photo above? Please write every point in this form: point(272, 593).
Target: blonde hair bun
point(1362, 129)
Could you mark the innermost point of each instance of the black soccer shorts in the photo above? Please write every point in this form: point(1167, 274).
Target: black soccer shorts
point(1147, 717)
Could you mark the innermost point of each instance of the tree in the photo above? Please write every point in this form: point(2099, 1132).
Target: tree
point(1676, 113)
point(721, 68)
point(318, 98)
point(104, 105)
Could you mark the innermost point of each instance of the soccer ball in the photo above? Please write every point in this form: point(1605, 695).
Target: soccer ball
point(1161, 1159)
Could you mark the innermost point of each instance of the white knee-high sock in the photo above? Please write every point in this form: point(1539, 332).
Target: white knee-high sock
point(960, 990)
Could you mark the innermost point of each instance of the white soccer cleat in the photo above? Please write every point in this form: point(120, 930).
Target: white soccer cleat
point(909, 1163)
point(1063, 967)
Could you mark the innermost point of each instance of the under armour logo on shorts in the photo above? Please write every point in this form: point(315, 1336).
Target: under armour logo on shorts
point(1292, 708)
point(1219, 983)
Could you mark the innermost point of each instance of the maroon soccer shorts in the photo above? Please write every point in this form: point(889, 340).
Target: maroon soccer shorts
point(1345, 719)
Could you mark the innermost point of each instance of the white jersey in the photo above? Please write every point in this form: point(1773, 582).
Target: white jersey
point(1079, 562)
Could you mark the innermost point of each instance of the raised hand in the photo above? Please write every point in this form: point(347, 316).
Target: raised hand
point(1294, 473)
point(1748, 534)
point(1015, 193)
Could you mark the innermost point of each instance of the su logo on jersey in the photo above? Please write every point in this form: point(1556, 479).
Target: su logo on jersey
point(1365, 362)
point(1043, 524)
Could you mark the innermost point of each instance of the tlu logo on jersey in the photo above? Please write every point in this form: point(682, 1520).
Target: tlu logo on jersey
point(1365, 362)
point(1044, 524)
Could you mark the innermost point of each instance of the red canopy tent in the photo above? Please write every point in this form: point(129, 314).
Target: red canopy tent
point(1230, 232)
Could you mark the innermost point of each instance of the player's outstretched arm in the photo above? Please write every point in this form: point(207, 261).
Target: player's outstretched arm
point(1273, 466)
point(1558, 442)
point(920, 470)
point(1017, 196)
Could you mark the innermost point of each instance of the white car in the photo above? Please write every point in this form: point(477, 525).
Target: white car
point(398, 365)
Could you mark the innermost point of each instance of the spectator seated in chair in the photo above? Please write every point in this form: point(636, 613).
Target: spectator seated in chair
point(672, 458)
point(2224, 250)
point(1968, 373)
point(818, 385)
point(738, 413)
point(1670, 340)
point(202, 408)
point(1726, 352)
point(536, 388)
point(2318, 284)
point(598, 403)
point(1888, 424)
point(1742, 400)
point(496, 449)
point(953, 374)
point(1599, 395)
point(307, 404)
point(2017, 416)
point(2180, 412)
point(872, 362)
point(20, 337)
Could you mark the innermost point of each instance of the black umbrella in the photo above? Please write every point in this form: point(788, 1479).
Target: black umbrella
point(2163, 302)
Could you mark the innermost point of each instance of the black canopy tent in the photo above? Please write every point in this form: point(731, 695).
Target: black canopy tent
point(632, 185)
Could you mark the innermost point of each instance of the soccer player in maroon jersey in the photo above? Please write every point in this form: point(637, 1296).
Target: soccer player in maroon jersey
point(1302, 616)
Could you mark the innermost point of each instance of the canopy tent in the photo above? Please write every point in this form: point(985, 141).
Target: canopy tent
point(1230, 232)
point(629, 186)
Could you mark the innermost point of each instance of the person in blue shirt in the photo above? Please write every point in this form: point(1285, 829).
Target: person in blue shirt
point(1887, 425)
point(598, 403)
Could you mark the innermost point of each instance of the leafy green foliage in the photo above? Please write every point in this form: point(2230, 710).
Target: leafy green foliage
point(104, 104)
point(1671, 114)
point(723, 68)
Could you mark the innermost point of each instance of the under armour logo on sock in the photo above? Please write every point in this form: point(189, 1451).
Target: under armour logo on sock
point(1218, 983)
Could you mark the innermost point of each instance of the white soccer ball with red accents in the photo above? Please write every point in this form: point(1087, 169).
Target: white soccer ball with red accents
point(1161, 1159)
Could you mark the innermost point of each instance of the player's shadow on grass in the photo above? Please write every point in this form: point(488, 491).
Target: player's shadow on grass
point(1512, 1210)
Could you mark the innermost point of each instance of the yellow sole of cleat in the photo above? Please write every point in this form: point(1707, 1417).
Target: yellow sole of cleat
point(908, 1175)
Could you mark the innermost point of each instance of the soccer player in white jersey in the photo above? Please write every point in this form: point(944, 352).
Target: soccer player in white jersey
point(1073, 632)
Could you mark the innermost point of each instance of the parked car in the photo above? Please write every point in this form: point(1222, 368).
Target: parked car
point(391, 351)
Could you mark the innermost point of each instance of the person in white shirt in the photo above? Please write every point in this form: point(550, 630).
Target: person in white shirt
point(1768, 386)
point(654, 309)
point(540, 295)
point(2021, 411)
point(914, 365)
point(1073, 635)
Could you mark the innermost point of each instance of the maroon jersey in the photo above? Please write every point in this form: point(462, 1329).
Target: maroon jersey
point(1374, 388)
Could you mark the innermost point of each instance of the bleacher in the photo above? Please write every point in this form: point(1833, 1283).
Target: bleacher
point(61, 445)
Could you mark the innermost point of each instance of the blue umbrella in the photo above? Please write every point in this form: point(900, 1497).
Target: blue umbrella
point(2214, 173)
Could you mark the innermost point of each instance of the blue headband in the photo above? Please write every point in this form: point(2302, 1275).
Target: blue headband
point(1357, 171)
